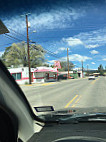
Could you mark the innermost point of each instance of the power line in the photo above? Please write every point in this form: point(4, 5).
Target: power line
point(8, 37)
point(51, 53)
point(72, 29)
point(46, 50)
point(13, 37)
point(17, 32)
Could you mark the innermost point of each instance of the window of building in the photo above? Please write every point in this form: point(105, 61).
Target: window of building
point(17, 76)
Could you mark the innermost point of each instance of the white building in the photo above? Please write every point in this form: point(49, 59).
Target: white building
point(39, 74)
point(73, 72)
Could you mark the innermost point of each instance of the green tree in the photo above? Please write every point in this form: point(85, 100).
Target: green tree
point(47, 65)
point(100, 69)
point(64, 66)
point(16, 55)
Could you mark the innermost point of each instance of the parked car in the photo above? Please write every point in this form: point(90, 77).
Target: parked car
point(72, 77)
point(62, 76)
point(91, 77)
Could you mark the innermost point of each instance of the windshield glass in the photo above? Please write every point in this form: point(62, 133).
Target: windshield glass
point(56, 52)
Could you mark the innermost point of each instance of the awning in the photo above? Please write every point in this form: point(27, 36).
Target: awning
point(45, 70)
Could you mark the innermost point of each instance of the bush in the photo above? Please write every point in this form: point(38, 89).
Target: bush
point(26, 83)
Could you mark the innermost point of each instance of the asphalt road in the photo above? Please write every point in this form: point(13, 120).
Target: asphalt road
point(70, 93)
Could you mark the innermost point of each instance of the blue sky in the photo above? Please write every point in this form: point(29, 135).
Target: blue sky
point(77, 25)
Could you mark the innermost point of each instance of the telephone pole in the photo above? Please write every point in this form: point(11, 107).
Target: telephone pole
point(82, 68)
point(68, 63)
point(87, 69)
point(28, 49)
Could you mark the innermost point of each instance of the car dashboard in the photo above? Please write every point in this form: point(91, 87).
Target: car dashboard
point(80, 132)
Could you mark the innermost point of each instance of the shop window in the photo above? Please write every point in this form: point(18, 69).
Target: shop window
point(17, 76)
point(14, 75)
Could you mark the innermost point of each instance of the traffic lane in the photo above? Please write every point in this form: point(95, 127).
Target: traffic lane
point(31, 90)
point(77, 94)
point(53, 89)
point(58, 96)
point(94, 95)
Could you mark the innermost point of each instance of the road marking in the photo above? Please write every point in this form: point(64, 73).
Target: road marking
point(76, 101)
point(94, 81)
point(71, 101)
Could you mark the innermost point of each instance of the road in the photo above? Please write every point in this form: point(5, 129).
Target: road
point(69, 93)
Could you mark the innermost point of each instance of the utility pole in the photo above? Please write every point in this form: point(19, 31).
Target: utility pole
point(82, 68)
point(68, 63)
point(87, 69)
point(28, 49)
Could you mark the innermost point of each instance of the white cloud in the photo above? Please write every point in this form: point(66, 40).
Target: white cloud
point(55, 18)
point(56, 52)
point(1, 53)
point(92, 46)
point(94, 52)
point(104, 59)
point(51, 62)
point(93, 63)
point(73, 41)
point(62, 48)
point(93, 39)
point(76, 57)
point(16, 23)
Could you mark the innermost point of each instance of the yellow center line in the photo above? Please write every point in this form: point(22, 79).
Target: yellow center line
point(94, 81)
point(76, 101)
point(71, 101)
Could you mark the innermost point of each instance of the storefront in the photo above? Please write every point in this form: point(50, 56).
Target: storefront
point(45, 74)
point(21, 75)
point(39, 74)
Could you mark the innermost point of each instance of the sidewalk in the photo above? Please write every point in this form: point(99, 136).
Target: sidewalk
point(38, 84)
point(49, 83)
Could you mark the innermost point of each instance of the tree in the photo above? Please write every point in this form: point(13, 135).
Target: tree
point(47, 65)
point(64, 66)
point(17, 55)
point(100, 69)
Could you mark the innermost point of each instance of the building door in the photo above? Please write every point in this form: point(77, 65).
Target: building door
point(47, 76)
point(31, 76)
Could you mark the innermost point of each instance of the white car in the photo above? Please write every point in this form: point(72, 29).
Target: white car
point(91, 77)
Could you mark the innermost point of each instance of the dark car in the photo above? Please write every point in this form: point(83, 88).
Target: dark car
point(62, 77)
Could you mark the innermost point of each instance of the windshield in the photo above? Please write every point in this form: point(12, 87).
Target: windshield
point(56, 51)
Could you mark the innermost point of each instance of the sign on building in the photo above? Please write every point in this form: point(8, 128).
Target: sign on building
point(57, 64)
